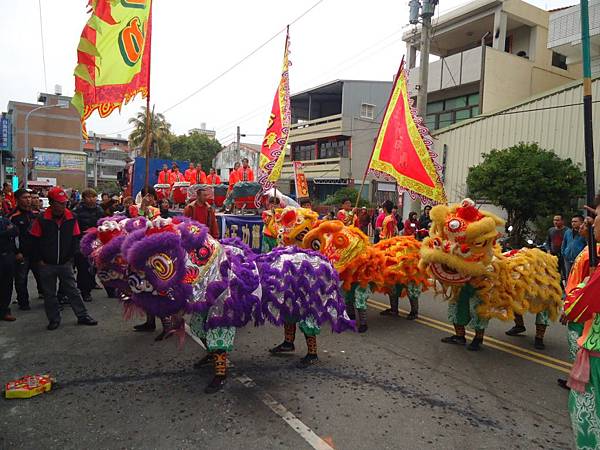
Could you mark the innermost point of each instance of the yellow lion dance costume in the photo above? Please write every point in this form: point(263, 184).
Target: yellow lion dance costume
point(479, 281)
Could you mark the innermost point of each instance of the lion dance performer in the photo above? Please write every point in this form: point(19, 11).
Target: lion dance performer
point(479, 281)
point(582, 308)
point(176, 267)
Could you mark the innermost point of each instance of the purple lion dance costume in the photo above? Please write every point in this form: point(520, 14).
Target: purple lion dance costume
point(176, 267)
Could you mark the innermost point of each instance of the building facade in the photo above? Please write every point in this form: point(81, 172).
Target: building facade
point(333, 130)
point(54, 150)
point(564, 36)
point(492, 54)
point(224, 161)
point(554, 120)
point(112, 155)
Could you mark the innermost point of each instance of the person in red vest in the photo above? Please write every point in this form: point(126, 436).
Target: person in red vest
point(212, 177)
point(245, 173)
point(164, 175)
point(202, 212)
point(200, 174)
point(234, 176)
point(176, 175)
point(190, 174)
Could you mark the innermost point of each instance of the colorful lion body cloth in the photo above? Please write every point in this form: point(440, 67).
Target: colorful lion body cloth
point(480, 282)
point(176, 267)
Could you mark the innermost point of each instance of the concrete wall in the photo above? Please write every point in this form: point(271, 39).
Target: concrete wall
point(523, 79)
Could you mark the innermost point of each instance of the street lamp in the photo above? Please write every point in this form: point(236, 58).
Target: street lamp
point(27, 160)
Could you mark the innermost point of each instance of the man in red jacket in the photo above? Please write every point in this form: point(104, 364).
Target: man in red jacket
point(245, 173)
point(176, 175)
point(55, 242)
point(190, 174)
point(212, 177)
point(200, 175)
point(164, 175)
point(202, 212)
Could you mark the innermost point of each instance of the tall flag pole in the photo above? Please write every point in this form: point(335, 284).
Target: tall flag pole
point(587, 121)
point(113, 57)
point(272, 152)
point(402, 150)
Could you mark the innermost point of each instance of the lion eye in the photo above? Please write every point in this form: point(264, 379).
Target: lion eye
point(316, 245)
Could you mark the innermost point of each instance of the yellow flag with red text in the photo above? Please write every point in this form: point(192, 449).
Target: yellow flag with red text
point(113, 56)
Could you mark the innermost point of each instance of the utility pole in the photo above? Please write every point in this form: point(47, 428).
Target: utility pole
point(587, 122)
point(424, 9)
point(96, 156)
point(237, 146)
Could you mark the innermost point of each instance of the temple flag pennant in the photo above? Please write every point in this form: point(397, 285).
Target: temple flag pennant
point(113, 57)
point(272, 152)
point(402, 151)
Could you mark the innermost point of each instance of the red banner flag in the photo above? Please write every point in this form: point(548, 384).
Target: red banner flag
point(402, 150)
point(272, 152)
point(300, 180)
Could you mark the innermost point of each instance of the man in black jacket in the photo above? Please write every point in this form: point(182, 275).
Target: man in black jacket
point(22, 218)
point(8, 233)
point(56, 240)
point(88, 213)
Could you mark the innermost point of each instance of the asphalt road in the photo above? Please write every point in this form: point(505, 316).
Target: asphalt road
point(395, 387)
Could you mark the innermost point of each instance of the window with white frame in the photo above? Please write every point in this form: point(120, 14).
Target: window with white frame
point(367, 111)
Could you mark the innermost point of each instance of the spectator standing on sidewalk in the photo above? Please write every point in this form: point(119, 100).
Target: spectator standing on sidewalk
point(8, 233)
point(23, 218)
point(87, 213)
point(56, 240)
point(573, 242)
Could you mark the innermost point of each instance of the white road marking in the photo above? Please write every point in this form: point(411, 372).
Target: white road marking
point(295, 424)
point(9, 354)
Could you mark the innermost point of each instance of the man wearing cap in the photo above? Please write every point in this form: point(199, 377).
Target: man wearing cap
point(202, 212)
point(56, 240)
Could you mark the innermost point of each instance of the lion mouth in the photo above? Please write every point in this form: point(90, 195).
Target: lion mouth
point(447, 274)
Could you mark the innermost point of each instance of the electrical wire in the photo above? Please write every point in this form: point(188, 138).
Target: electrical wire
point(232, 67)
point(43, 49)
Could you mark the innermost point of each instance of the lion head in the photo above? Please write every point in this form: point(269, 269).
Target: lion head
point(461, 242)
point(292, 224)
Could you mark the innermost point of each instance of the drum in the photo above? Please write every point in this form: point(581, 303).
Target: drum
point(180, 190)
point(162, 191)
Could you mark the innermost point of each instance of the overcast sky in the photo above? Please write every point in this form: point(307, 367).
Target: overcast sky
point(194, 41)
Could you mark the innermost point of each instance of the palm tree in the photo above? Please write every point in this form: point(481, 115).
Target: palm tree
point(160, 133)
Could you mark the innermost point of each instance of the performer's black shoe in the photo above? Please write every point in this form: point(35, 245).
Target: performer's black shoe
point(363, 328)
point(284, 347)
point(538, 343)
point(307, 361)
point(458, 340)
point(206, 361)
point(215, 385)
point(563, 384)
point(389, 312)
point(475, 344)
point(161, 336)
point(146, 326)
point(412, 316)
point(351, 314)
point(516, 330)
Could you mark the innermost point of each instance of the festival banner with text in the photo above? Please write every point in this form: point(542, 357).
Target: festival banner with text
point(272, 152)
point(113, 57)
point(300, 180)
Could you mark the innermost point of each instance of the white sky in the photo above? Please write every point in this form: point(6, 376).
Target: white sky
point(194, 41)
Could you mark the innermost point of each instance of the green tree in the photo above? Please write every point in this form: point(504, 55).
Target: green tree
point(528, 182)
point(195, 147)
point(160, 133)
point(347, 192)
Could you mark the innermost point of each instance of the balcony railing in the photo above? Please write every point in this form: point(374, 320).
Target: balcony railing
point(315, 168)
point(315, 129)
